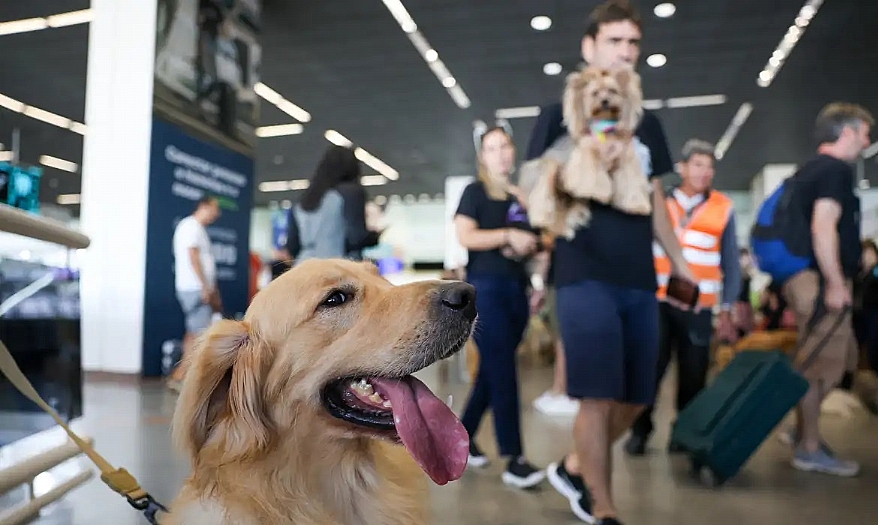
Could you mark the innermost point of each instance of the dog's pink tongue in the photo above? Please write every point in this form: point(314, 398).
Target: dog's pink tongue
point(427, 427)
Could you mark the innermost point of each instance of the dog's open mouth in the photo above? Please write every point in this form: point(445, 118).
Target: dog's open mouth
point(404, 408)
point(606, 113)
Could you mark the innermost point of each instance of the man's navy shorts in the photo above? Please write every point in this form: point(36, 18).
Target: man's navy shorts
point(610, 336)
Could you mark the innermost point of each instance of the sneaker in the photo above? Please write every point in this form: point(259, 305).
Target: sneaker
point(821, 461)
point(790, 438)
point(522, 475)
point(572, 487)
point(556, 405)
point(476, 458)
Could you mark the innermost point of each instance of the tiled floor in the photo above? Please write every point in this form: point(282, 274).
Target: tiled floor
point(129, 424)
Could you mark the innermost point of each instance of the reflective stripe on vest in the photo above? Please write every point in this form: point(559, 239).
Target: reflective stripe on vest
point(701, 240)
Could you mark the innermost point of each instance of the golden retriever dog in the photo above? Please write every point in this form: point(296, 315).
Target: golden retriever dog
point(305, 412)
point(602, 109)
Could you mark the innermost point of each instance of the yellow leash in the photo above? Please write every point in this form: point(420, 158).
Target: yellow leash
point(120, 480)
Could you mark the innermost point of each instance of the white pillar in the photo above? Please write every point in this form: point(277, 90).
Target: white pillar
point(115, 182)
point(455, 254)
point(767, 180)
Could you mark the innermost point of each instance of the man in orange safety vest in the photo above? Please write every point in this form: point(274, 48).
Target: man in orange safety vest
point(704, 220)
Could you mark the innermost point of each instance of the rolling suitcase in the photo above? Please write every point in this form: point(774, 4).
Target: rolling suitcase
point(724, 424)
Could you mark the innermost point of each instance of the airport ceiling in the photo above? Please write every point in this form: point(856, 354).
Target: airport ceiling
point(353, 68)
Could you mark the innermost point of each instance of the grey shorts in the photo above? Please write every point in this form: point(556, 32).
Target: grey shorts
point(197, 313)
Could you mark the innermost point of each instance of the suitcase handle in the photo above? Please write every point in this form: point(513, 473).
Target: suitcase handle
point(819, 312)
point(721, 413)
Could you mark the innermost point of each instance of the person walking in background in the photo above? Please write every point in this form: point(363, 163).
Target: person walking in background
point(195, 277)
point(704, 220)
point(820, 296)
point(492, 225)
point(743, 316)
point(330, 220)
point(865, 301)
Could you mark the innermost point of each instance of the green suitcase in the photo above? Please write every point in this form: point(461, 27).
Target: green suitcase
point(725, 424)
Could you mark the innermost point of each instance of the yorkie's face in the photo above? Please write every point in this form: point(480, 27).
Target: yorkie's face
point(604, 97)
point(598, 94)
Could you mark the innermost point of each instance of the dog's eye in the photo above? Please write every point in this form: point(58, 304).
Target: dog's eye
point(335, 298)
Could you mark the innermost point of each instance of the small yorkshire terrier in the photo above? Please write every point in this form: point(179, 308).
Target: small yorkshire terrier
point(602, 109)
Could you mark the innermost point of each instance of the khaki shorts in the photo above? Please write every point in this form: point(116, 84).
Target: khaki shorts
point(836, 354)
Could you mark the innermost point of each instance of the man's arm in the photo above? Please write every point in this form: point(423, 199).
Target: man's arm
point(730, 261)
point(824, 233)
point(195, 261)
point(664, 232)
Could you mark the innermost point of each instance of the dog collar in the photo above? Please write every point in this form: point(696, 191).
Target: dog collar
point(600, 128)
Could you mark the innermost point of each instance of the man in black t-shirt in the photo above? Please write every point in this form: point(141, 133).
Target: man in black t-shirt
point(825, 194)
point(605, 283)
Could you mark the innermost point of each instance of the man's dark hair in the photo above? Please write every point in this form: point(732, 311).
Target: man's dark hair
point(837, 116)
point(612, 11)
point(338, 165)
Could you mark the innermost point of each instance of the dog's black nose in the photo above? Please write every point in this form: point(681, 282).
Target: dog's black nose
point(460, 297)
point(605, 103)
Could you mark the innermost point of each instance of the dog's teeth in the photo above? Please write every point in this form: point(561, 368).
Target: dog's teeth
point(450, 400)
point(387, 404)
point(376, 398)
point(362, 387)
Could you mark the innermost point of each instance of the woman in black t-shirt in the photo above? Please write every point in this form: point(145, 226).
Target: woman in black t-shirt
point(492, 224)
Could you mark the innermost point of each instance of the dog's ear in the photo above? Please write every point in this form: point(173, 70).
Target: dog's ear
point(221, 403)
point(629, 82)
point(574, 103)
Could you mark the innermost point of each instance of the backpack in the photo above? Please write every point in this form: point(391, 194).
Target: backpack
point(781, 235)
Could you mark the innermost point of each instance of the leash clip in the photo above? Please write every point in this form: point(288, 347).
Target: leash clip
point(148, 505)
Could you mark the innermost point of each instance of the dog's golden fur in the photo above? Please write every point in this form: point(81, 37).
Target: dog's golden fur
point(262, 446)
point(600, 168)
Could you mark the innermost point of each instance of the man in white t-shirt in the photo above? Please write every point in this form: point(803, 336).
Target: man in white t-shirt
point(195, 274)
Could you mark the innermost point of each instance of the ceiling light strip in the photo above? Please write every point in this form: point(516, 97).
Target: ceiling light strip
point(725, 142)
point(362, 155)
point(279, 130)
point(789, 41)
point(281, 103)
point(519, 112)
point(42, 115)
point(27, 25)
point(697, 101)
point(69, 198)
point(60, 164)
point(652, 104)
point(277, 186)
point(428, 53)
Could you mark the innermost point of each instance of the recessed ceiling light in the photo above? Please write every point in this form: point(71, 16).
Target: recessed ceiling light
point(431, 55)
point(541, 23)
point(552, 68)
point(657, 60)
point(449, 82)
point(665, 10)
